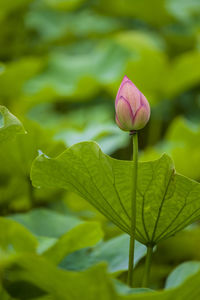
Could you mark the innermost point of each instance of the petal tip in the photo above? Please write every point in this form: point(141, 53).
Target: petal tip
point(125, 78)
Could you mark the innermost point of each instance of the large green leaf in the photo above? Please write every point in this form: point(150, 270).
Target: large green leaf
point(82, 236)
point(11, 125)
point(166, 201)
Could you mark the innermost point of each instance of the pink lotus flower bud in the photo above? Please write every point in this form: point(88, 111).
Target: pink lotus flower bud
point(131, 106)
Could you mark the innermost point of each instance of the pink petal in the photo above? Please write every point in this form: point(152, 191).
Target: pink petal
point(145, 103)
point(131, 93)
point(118, 123)
point(124, 114)
point(141, 117)
point(117, 97)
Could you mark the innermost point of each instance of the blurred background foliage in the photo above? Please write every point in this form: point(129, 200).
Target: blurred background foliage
point(61, 63)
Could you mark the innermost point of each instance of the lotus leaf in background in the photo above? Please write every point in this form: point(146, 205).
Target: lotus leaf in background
point(182, 143)
point(52, 283)
point(113, 251)
point(59, 235)
point(11, 125)
point(181, 273)
point(16, 157)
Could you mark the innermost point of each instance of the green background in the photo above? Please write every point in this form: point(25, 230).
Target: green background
point(61, 64)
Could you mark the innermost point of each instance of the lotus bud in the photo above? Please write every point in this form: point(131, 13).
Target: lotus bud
point(131, 106)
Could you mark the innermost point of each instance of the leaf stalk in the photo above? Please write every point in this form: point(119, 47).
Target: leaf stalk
point(147, 266)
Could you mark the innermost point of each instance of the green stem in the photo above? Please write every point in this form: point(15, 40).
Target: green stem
point(147, 266)
point(133, 210)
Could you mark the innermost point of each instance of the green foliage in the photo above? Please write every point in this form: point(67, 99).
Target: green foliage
point(82, 236)
point(11, 125)
point(16, 238)
point(79, 23)
point(59, 235)
point(159, 16)
point(8, 6)
point(11, 89)
point(46, 223)
point(177, 249)
point(166, 201)
point(37, 273)
point(80, 80)
point(64, 4)
point(183, 74)
point(181, 273)
point(17, 155)
point(91, 123)
point(114, 252)
point(182, 141)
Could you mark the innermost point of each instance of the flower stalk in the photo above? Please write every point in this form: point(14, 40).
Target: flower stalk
point(133, 210)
